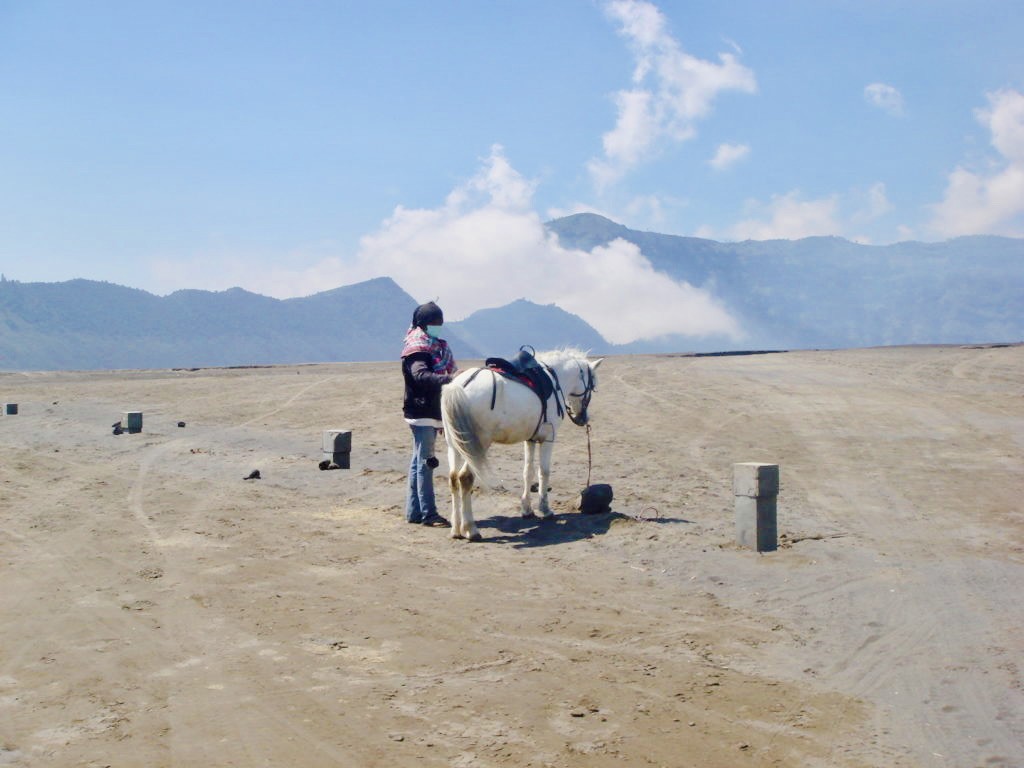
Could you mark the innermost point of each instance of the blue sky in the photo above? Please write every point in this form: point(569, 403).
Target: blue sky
point(289, 148)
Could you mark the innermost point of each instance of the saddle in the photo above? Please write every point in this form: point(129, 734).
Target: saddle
point(525, 369)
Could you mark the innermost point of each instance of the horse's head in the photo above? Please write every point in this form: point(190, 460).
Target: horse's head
point(575, 380)
point(579, 389)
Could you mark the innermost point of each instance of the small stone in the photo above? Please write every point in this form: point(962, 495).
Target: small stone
point(577, 713)
point(396, 737)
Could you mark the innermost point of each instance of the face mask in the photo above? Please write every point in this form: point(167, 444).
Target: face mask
point(433, 330)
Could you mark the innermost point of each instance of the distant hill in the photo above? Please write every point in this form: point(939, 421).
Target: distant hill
point(819, 292)
point(829, 292)
point(86, 325)
point(83, 324)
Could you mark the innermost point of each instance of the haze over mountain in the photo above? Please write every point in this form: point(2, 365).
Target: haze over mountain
point(830, 292)
point(812, 293)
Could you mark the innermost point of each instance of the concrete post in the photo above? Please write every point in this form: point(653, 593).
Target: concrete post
point(756, 488)
point(337, 447)
point(131, 422)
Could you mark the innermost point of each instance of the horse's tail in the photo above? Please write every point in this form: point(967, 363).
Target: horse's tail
point(460, 431)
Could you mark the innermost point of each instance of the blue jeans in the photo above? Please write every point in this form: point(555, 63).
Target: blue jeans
point(419, 497)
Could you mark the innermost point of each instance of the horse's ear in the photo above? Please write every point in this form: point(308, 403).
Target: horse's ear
point(593, 365)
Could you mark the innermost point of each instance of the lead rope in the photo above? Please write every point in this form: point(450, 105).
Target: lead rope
point(590, 460)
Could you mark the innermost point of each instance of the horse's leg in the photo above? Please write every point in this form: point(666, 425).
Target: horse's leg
point(467, 526)
point(545, 474)
point(456, 501)
point(529, 452)
point(454, 464)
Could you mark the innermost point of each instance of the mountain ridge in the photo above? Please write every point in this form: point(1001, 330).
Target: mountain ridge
point(831, 292)
point(821, 292)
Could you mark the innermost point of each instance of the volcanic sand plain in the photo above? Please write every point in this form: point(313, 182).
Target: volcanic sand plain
point(158, 609)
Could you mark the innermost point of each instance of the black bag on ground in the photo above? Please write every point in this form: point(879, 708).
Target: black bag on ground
point(595, 499)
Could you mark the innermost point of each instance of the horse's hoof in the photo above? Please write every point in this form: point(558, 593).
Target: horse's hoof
point(475, 536)
point(528, 513)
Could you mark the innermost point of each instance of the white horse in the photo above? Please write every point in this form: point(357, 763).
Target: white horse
point(480, 407)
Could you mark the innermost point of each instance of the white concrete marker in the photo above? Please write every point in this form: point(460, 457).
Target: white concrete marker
point(337, 447)
point(756, 488)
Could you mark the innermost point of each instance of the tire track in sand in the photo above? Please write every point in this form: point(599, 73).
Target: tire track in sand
point(245, 708)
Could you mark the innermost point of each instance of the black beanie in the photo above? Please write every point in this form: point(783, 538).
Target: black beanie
point(427, 314)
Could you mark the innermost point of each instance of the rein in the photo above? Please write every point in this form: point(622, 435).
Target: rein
point(559, 403)
point(590, 458)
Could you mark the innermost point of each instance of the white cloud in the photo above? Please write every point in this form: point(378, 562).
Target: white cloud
point(499, 183)
point(989, 200)
point(905, 233)
point(649, 209)
point(671, 91)
point(791, 217)
point(727, 155)
point(878, 201)
point(486, 247)
point(886, 97)
point(787, 217)
point(635, 132)
point(1005, 119)
point(622, 296)
point(870, 204)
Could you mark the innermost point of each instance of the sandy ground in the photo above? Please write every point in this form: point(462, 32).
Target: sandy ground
point(159, 610)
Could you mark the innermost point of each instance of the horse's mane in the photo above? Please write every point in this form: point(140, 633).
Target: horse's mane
point(561, 355)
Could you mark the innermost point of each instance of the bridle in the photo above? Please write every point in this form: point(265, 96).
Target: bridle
point(587, 379)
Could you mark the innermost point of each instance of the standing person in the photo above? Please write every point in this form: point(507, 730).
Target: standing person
point(427, 365)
